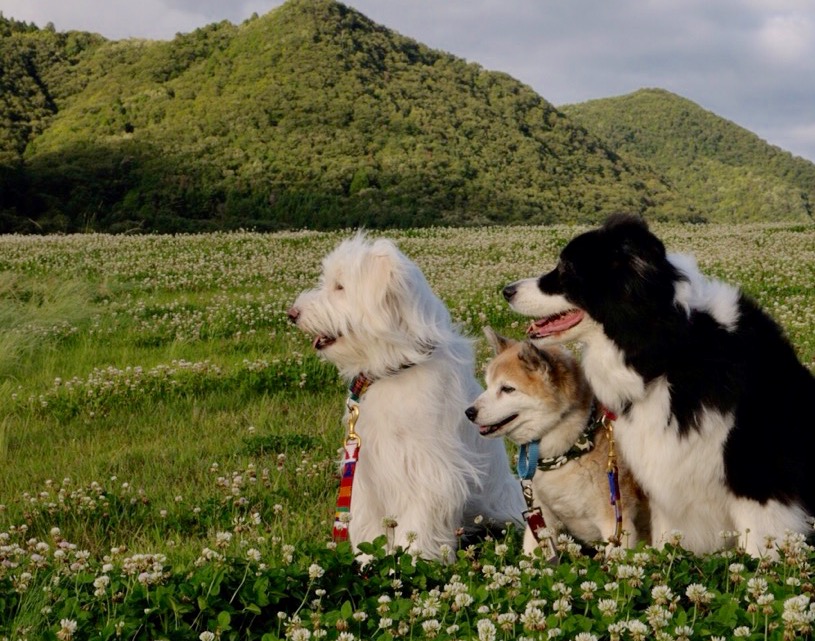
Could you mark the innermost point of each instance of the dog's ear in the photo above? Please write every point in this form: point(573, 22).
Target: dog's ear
point(534, 359)
point(496, 341)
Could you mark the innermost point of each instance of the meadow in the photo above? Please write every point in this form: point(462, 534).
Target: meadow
point(168, 447)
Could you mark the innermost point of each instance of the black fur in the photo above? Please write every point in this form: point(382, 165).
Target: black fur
point(621, 276)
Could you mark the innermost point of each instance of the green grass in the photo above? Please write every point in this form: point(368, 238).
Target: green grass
point(153, 395)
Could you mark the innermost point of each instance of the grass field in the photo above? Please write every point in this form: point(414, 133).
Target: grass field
point(157, 407)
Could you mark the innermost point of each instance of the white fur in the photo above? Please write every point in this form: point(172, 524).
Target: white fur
point(718, 299)
point(421, 461)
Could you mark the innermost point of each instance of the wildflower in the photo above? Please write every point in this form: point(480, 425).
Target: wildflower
point(431, 628)
point(615, 630)
point(638, 630)
point(734, 572)
point(661, 594)
point(683, 632)
point(533, 618)
point(207, 636)
point(100, 583)
point(486, 630)
point(67, 627)
point(588, 589)
point(741, 631)
point(315, 571)
point(253, 555)
point(385, 623)
point(658, 617)
point(607, 607)
point(797, 615)
point(299, 634)
point(756, 586)
point(698, 594)
point(585, 636)
point(222, 539)
point(506, 620)
point(562, 606)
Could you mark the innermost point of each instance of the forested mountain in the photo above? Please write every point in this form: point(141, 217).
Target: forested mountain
point(310, 115)
point(727, 172)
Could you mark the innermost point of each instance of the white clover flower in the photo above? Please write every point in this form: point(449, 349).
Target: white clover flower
point(222, 539)
point(67, 627)
point(385, 623)
point(607, 607)
point(637, 629)
point(798, 615)
point(207, 636)
point(253, 554)
point(585, 636)
point(431, 628)
point(756, 586)
point(533, 618)
point(562, 606)
point(661, 594)
point(588, 588)
point(741, 631)
point(486, 630)
point(299, 634)
point(315, 571)
point(462, 600)
point(683, 632)
point(698, 594)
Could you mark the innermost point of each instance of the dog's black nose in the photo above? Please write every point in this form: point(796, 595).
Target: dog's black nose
point(293, 313)
point(471, 413)
point(509, 291)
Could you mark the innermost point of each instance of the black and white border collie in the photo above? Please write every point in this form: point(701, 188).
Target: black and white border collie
point(715, 412)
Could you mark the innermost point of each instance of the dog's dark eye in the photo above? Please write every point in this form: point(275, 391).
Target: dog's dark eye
point(506, 389)
point(338, 287)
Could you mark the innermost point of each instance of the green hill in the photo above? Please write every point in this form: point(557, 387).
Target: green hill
point(727, 172)
point(312, 115)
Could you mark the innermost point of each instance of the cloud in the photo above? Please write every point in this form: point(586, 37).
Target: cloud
point(788, 38)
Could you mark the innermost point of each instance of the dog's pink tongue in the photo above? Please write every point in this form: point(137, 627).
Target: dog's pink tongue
point(554, 324)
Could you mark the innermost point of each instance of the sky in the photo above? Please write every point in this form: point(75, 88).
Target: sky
point(749, 61)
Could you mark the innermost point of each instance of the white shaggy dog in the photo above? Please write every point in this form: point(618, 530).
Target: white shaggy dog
point(421, 461)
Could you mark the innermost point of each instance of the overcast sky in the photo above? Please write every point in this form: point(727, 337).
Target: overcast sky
point(750, 61)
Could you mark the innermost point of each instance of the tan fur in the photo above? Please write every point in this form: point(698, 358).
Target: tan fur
point(548, 391)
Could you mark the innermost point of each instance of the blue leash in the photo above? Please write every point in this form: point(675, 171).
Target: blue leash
point(527, 464)
point(528, 460)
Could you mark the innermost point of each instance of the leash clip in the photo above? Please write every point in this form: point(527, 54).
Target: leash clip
point(353, 415)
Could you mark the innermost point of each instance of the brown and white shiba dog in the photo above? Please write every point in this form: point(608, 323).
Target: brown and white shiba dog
point(540, 395)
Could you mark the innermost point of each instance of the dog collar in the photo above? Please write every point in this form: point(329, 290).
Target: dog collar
point(358, 387)
point(528, 460)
